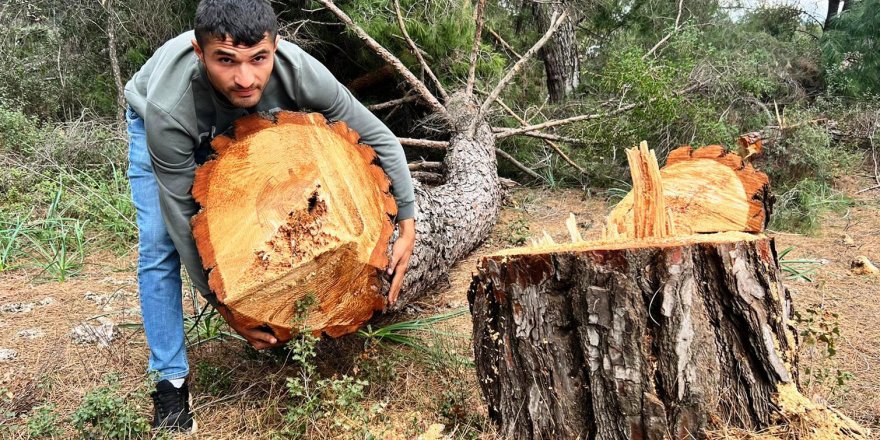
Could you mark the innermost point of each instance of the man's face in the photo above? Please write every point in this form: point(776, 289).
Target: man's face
point(238, 72)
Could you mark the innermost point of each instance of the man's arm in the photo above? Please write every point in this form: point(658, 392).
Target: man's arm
point(171, 152)
point(320, 91)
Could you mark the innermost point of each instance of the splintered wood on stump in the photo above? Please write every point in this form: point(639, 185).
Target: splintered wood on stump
point(647, 333)
point(292, 208)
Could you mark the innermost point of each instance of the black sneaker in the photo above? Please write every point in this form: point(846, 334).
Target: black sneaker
point(171, 408)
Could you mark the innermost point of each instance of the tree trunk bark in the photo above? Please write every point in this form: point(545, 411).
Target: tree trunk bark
point(646, 334)
point(114, 60)
point(631, 343)
point(833, 7)
point(560, 54)
point(455, 217)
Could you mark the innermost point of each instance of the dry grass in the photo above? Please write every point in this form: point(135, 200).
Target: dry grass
point(418, 388)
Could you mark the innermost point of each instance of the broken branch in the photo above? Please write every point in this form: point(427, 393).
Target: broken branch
point(518, 164)
point(417, 52)
point(558, 122)
point(472, 70)
point(503, 43)
point(675, 29)
point(556, 22)
point(423, 143)
point(546, 141)
point(392, 103)
point(388, 57)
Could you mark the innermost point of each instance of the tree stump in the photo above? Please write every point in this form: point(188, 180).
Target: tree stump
point(292, 208)
point(647, 333)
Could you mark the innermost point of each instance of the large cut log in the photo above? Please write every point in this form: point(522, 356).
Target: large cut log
point(293, 207)
point(647, 334)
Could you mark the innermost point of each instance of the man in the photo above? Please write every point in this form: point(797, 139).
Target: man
point(190, 90)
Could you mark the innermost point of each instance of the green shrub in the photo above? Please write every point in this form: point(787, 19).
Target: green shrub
point(314, 399)
point(104, 413)
point(213, 379)
point(800, 207)
point(44, 422)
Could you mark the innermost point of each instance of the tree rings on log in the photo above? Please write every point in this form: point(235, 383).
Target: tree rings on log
point(293, 208)
point(704, 190)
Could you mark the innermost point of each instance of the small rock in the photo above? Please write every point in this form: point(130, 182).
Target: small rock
point(434, 432)
point(31, 333)
point(46, 301)
point(101, 334)
point(863, 266)
point(847, 240)
point(7, 354)
point(97, 298)
point(17, 307)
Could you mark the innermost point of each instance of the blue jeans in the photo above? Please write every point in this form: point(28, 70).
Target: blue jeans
point(158, 270)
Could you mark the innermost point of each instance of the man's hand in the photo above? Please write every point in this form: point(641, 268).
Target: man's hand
point(400, 254)
point(258, 339)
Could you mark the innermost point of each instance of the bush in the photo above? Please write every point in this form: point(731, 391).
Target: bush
point(43, 422)
point(851, 50)
point(104, 413)
point(800, 207)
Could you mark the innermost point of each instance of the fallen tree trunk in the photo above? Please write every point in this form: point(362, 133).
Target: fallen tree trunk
point(649, 334)
point(278, 228)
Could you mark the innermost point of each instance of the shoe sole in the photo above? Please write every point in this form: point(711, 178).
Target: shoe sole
point(195, 426)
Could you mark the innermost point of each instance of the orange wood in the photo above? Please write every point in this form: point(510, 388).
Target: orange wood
point(294, 208)
point(704, 190)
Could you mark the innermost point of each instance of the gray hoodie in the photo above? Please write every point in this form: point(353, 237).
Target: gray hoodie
point(181, 111)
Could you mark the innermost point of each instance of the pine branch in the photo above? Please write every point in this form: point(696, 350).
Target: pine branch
point(669, 35)
point(472, 69)
point(556, 22)
point(550, 143)
point(518, 164)
point(392, 103)
point(423, 143)
point(388, 57)
point(503, 43)
point(547, 136)
point(558, 122)
point(417, 52)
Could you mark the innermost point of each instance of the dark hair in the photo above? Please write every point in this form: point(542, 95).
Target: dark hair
point(245, 21)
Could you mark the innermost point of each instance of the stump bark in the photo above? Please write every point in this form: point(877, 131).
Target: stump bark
point(646, 334)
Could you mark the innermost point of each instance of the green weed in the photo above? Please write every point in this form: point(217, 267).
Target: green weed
point(516, 232)
point(10, 234)
point(104, 413)
point(44, 422)
point(407, 332)
point(797, 269)
point(819, 330)
point(314, 399)
point(212, 378)
point(801, 207)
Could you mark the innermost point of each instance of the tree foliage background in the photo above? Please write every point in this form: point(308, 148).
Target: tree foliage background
point(712, 75)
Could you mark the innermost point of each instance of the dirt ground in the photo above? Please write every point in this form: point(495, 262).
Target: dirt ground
point(415, 391)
